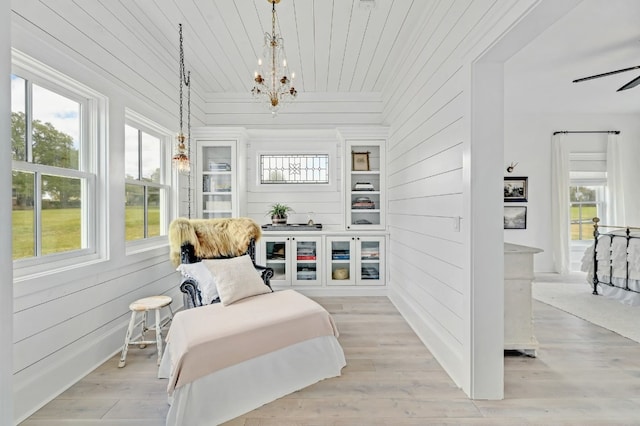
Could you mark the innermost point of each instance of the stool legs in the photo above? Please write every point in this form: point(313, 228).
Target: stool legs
point(132, 323)
point(158, 335)
point(142, 343)
point(144, 329)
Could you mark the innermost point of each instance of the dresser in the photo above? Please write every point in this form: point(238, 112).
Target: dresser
point(518, 314)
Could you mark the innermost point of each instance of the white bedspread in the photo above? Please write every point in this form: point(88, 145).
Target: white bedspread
point(239, 389)
point(223, 361)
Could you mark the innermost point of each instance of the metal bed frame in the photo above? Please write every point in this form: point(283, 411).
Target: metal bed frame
point(627, 236)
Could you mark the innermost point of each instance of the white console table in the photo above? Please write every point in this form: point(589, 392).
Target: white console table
point(518, 315)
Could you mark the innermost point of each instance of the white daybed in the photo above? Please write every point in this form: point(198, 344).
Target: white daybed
point(224, 361)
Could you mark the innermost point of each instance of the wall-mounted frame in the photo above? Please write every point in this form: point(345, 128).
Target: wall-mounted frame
point(515, 217)
point(515, 189)
point(360, 161)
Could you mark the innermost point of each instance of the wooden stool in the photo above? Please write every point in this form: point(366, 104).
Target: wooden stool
point(154, 303)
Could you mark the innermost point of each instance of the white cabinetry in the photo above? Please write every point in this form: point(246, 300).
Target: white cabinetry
point(220, 172)
point(216, 179)
point(364, 184)
point(295, 260)
point(355, 260)
point(518, 312)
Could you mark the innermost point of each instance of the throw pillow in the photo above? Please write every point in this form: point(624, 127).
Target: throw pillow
point(203, 278)
point(236, 278)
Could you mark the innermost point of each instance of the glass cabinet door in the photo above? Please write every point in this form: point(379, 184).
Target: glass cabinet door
point(276, 256)
point(307, 271)
point(217, 199)
point(369, 259)
point(340, 259)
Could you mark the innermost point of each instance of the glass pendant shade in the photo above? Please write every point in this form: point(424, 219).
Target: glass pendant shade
point(181, 159)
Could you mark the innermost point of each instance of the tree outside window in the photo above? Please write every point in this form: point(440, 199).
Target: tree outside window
point(48, 202)
point(145, 190)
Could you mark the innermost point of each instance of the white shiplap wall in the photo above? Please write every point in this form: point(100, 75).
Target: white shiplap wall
point(68, 322)
point(427, 107)
point(6, 271)
point(325, 201)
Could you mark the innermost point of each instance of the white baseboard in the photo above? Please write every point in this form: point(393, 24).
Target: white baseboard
point(446, 356)
point(85, 355)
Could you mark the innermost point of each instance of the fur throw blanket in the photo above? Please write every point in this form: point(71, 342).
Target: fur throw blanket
point(212, 238)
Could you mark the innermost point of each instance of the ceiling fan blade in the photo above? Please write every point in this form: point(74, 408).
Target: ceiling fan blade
point(629, 85)
point(606, 74)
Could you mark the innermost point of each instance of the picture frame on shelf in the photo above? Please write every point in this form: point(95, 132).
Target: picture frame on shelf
point(515, 188)
point(360, 161)
point(515, 217)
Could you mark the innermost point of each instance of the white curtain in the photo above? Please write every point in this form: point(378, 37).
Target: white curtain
point(560, 203)
point(615, 195)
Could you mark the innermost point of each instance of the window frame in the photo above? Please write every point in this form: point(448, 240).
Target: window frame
point(292, 184)
point(291, 145)
point(600, 202)
point(143, 124)
point(91, 166)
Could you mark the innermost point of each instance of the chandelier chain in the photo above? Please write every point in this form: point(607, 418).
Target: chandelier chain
point(187, 83)
point(273, 80)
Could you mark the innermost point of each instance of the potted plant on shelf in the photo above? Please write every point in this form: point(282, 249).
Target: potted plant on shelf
point(278, 213)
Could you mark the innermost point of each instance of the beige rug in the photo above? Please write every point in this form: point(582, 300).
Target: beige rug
point(573, 295)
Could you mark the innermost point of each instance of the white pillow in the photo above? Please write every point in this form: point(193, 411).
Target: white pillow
point(236, 278)
point(203, 277)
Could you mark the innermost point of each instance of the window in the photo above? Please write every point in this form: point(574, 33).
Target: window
point(54, 135)
point(146, 177)
point(294, 169)
point(587, 202)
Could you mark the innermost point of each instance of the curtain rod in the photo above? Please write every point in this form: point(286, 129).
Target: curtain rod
point(615, 132)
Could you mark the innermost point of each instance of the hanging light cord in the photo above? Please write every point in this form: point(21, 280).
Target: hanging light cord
point(185, 80)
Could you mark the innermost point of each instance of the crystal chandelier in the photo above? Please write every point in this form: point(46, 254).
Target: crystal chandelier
point(273, 84)
point(183, 149)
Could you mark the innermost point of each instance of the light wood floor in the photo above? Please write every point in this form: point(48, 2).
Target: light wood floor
point(584, 375)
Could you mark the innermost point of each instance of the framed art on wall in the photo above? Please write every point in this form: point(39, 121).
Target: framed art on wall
point(515, 217)
point(360, 161)
point(515, 189)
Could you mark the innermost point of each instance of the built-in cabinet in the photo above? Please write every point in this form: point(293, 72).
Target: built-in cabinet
point(295, 260)
point(355, 260)
point(216, 179)
point(219, 181)
point(349, 253)
point(319, 260)
point(364, 184)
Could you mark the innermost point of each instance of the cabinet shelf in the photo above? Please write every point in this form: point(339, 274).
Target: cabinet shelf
point(365, 188)
point(365, 193)
point(214, 172)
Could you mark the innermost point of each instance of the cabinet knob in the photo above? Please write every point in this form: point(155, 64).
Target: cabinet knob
point(293, 238)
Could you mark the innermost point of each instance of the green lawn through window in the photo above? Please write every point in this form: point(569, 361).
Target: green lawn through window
point(64, 232)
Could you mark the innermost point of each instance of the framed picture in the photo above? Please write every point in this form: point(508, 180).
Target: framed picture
point(515, 217)
point(360, 161)
point(515, 188)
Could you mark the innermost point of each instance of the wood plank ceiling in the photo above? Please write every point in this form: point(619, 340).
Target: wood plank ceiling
point(332, 45)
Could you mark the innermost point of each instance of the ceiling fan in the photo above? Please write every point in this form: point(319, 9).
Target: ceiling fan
point(629, 85)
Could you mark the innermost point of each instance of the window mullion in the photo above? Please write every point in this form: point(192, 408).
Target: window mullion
point(28, 121)
point(37, 211)
point(146, 211)
point(139, 154)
